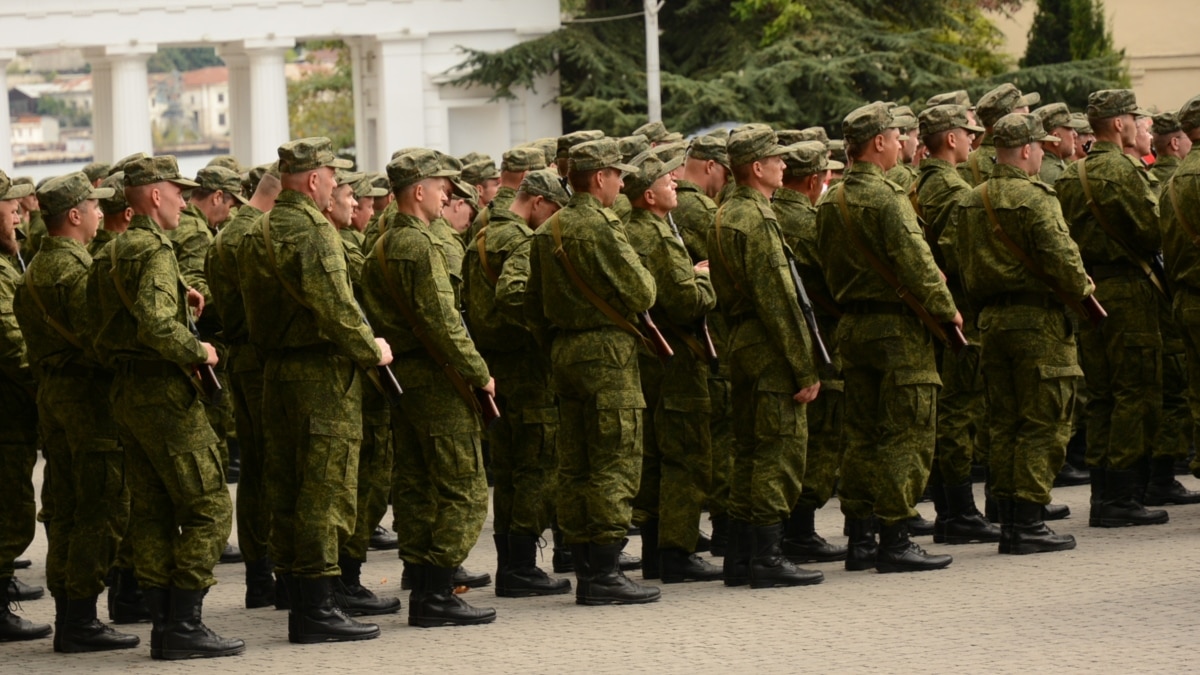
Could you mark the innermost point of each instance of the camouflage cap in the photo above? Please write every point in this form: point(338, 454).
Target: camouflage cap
point(343, 177)
point(63, 193)
point(254, 176)
point(307, 154)
point(709, 147)
point(837, 150)
point(549, 148)
point(1165, 123)
point(150, 170)
point(752, 142)
point(1001, 101)
point(944, 117)
point(655, 132)
point(1113, 103)
point(959, 97)
point(96, 170)
point(599, 154)
point(868, 121)
point(904, 115)
point(10, 189)
point(380, 181)
point(120, 164)
point(480, 171)
point(568, 141)
point(670, 150)
point(1017, 129)
point(632, 146)
point(544, 183)
point(1189, 115)
point(364, 187)
point(720, 132)
point(523, 158)
point(467, 193)
point(789, 136)
point(814, 134)
point(649, 169)
point(116, 203)
point(808, 157)
point(228, 161)
point(1081, 123)
point(220, 178)
point(418, 164)
point(1055, 115)
point(472, 157)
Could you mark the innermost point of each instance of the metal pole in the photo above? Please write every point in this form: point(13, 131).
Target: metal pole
point(653, 81)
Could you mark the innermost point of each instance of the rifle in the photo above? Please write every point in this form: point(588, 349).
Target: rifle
point(488, 409)
point(655, 338)
point(384, 379)
point(710, 349)
point(810, 318)
point(210, 386)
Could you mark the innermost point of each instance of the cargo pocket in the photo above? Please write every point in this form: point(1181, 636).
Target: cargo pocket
point(332, 451)
point(457, 450)
point(198, 472)
point(1142, 353)
point(1060, 385)
point(775, 412)
point(619, 419)
point(103, 466)
point(916, 395)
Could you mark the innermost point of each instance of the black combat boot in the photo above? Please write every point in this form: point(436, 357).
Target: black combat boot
point(186, 637)
point(1004, 508)
point(22, 563)
point(1056, 512)
point(433, 602)
point(561, 561)
point(464, 577)
point(966, 524)
point(230, 554)
point(627, 561)
point(317, 617)
point(920, 526)
point(13, 627)
point(1097, 499)
point(862, 549)
point(898, 553)
point(519, 576)
point(650, 561)
point(607, 583)
point(78, 630)
point(768, 567)
point(1069, 475)
point(125, 601)
point(678, 566)
point(703, 543)
point(1118, 507)
point(720, 535)
point(260, 583)
point(736, 566)
point(353, 598)
point(383, 539)
point(1030, 534)
point(583, 572)
point(20, 591)
point(802, 544)
point(284, 589)
point(158, 605)
point(1163, 489)
point(944, 512)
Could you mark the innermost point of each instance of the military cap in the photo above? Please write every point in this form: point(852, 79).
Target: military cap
point(709, 147)
point(837, 150)
point(814, 134)
point(1165, 123)
point(568, 141)
point(945, 117)
point(24, 180)
point(1082, 125)
point(480, 171)
point(869, 121)
point(150, 170)
point(905, 116)
point(523, 158)
point(670, 150)
point(472, 157)
point(96, 171)
point(467, 193)
point(1017, 129)
point(632, 146)
point(228, 161)
point(417, 165)
point(959, 97)
point(10, 190)
point(1189, 115)
point(124, 161)
point(544, 183)
point(405, 151)
point(599, 154)
point(63, 193)
point(789, 136)
point(752, 142)
point(648, 168)
point(254, 176)
point(1113, 103)
point(364, 187)
point(1055, 115)
point(809, 157)
point(343, 177)
point(220, 178)
point(720, 132)
point(1002, 100)
point(115, 203)
point(307, 154)
point(549, 148)
point(380, 180)
point(655, 132)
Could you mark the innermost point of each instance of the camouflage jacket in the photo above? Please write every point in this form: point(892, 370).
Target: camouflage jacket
point(224, 282)
point(59, 277)
point(694, 216)
point(980, 162)
point(1053, 167)
point(1163, 168)
point(494, 307)
point(939, 190)
point(798, 224)
point(1182, 255)
point(14, 362)
point(682, 297)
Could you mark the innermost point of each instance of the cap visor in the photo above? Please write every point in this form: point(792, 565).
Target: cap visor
point(672, 165)
point(101, 193)
point(1050, 139)
point(339, 163)
point(974, 129)
point(1142, 112)
point(444, 173)
point(18, 190)
point(834, 165)
point(623, 168)
point(1030, 99)
point(241, 199)
point(183, 182)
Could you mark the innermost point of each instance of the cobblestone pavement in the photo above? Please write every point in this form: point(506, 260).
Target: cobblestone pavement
point(1124, 601)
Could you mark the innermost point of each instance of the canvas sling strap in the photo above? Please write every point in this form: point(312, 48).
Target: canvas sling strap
point(481, 247)
point(54, 323)
point(1112, 234)
point(1183, 221)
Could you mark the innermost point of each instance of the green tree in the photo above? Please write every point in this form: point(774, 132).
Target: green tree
point(320, 103)
point(1070, 30)
point(182, 59)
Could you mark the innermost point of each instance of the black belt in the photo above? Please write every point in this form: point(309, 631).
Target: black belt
point(1024, 299)
point(874, 307)
point(1111, 270)
point(81, 371)
point(144, 368)
point(323, 349)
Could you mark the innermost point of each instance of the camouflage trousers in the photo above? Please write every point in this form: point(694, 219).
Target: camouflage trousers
point(1187, 315)
point(181, 513)
point(1029, 366)
point(374, 471)
point(891, 414)
point(18, 455)
point(312, 429)
point(676, 449)
point(1122, 362)
point(522, 443)
point(823, 459)
point(720, 433)
point(439, 489)
point(962, 415)
point(86, 469)
point(246, 394)
point(1175, 432)
point(599, 444)
point(221, 416)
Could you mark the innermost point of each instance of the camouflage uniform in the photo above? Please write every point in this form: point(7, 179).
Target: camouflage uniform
point(1053, 167)
point(979, 163)
point(1163, 168)
point(18, 431)
point(1183, 269)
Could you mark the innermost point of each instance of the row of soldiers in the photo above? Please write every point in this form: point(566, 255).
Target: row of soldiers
point(589, 298)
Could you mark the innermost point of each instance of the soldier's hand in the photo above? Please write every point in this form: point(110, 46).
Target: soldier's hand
point(195, 300)
point(212, 354)
point(701, 266)
point(386, 350)
point(490, 387)
point(807, 394)
point(957, 320)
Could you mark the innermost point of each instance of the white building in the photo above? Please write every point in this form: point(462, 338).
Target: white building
point(205, 100)
point(34, 132)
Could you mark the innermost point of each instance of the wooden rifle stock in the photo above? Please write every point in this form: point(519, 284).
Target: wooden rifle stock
point(710, 349)
point(655, 337)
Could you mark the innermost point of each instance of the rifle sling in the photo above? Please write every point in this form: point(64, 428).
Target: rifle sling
point(725, 261)
point(54, 323)
point(481, 246)
point(1112, 234)
point(1183, 221)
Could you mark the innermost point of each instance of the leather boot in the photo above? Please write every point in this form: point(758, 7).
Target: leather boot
point(920, 526)
point(186, 637)
point(502, 557)
point(1005, 511)
point(607, 583)
point(939, 492)
point(433, 601)
point(1097, 483)
point(720, 535)
point(650, 561)
point(1030, 534)
point(520, 577)
point(561, 562)
point(78, 629)
point(898, 553)
point(1069, 475)
point(1163, 489)
point(967, 525)
point(736, 567)
point(627, 561)
point(20, 591)
point(383, 539)
point(703, 543)
point(230, 554)
point(1119, 508)
point(679, 566)
point(158, 604)
point(862, 549)
point(13, 627)
point(352, 598)
point(768, 567)
point(125, 600)
point(802, 544)
point(22, 563)
point(260, 583)
point(317, 617)
point(1056, 512)
point(583, 573)
point(464, 577)
point(284, 588)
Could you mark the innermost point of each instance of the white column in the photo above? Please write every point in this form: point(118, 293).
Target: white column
point(121, 105)
point(400, 96)
point(6, 154)
point(102, 113)
point(360, 78)
point(239, 102)
point(268, 101)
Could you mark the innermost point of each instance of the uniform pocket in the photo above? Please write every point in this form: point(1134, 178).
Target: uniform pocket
point(916, 391)
point(333, 450)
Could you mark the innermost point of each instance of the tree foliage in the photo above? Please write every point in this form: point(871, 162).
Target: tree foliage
point(320, 104)
point(182, 59)
point(1068, 30)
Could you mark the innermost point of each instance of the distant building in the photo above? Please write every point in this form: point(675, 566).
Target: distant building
point(205, 101)
point(34, 132)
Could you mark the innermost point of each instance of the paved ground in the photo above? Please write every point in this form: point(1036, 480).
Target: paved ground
point(1124, 601)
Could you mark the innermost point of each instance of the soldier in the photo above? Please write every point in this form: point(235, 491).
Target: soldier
point(1057, 121)
point(865, 235)
point(773, 373)
point(905, 172)
point(522, 441)
point(992, 106)
point(305, 323)
point(563, 152)
point(958, 97)
point(481, 174)
point(181, 515)
point(808, 167)
point(116, 211)
point(1171, 145)
point(1012, 244)
point(96, 172)
point(514, 166)
point(31, 216)
point(1086, 135)
point(593, 351)
point(439, 493)
point(379, 181)
point(1113, 216)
